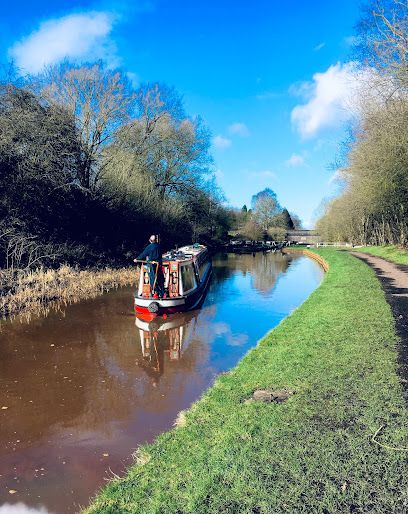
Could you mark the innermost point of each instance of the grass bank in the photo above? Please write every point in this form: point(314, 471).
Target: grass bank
point(314, 453)
point(390, 252)
point(32, 292)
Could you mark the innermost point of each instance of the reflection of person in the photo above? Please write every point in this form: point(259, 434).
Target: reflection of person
point(153, 252)
point(153, 356)
point(175, 340)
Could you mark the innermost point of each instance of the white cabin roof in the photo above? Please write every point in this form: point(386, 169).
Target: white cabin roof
point(194, 250)
point(184, 253)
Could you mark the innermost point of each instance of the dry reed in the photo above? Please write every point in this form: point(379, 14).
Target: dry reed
point(33, 292)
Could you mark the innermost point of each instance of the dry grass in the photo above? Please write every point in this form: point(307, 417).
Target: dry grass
point(33, 292)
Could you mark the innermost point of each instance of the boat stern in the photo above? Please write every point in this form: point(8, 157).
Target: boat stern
point(157, 307)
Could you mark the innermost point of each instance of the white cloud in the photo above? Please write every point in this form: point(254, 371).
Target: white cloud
point(268, 95)
point(319, 46)
point(329, 98)
point(21, 508)
point(337, 177)
point(237, 339)
point(221, 142)
point(76, 37)
point(219, 174)
point(263, 174)
point(351, 40)
point(239, 129)
point(295, 160)
point(134, 78)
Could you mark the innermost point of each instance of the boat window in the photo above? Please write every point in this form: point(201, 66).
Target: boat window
point(187, 275)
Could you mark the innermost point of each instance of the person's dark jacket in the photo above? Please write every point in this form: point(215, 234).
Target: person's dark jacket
point(152, 251)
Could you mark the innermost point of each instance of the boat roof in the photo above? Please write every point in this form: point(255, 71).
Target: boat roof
point(184, 253)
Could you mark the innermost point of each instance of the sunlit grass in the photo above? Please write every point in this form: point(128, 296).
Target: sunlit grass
point(390, 252)
point(313, 453)
point(31, 292)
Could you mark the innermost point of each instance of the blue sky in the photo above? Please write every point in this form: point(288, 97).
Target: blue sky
point(269, 77)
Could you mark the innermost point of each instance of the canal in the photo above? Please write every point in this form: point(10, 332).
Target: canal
point(81, 388)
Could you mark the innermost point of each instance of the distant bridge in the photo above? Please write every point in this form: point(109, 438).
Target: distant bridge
point(303, 236)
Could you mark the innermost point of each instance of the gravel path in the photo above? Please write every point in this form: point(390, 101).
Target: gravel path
point(394, 280)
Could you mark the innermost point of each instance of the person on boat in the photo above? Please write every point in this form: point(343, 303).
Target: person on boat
point(153, 253)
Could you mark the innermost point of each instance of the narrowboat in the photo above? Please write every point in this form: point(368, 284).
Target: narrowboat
point(186, 273)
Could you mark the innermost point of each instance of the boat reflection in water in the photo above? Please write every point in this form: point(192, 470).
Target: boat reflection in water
point(164, 340)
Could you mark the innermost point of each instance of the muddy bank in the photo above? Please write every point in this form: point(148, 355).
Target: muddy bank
point(34, 292)
point(310, 254)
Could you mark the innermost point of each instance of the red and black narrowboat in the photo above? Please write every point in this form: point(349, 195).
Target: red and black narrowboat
point(186, 273)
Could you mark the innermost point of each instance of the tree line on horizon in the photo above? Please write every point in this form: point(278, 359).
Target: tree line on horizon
point(89, 167)
point(265, 219)
point(372, 207)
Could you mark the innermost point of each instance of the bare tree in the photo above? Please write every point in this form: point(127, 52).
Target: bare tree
point(383, 39)
point(252, 230)
point(101, 100)
point(266, 208)
point(39, 151)
point(163, 148)
point(373, 205)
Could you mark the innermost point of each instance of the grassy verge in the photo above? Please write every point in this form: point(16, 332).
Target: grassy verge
point(313, 453)
point(34, 291)
point(391, 253)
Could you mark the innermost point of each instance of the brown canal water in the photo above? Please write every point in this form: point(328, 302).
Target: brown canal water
point(81, 388)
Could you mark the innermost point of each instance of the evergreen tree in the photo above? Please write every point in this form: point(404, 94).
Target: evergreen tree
point(287, 220)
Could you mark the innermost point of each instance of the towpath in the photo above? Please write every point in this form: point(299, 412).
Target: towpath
point(394, 280)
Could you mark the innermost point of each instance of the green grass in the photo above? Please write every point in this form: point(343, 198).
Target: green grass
point(390, 252)
point(311, 454)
